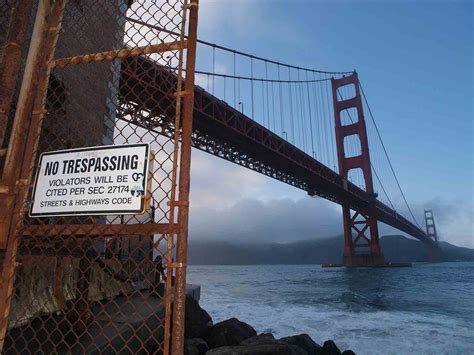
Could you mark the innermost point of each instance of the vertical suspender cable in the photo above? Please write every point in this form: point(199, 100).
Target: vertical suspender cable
point(213, 67)
point(298, 111)
point(235, 84)
point(273, 108)
point(310, 118)
point(225, 99)
point(282, 125)
point(291, 107)
point(333, 129)
point(263, 105)
point(251, 86)
point(303, 113)
point(240, 99)
point(321, 125)
point(266, 90)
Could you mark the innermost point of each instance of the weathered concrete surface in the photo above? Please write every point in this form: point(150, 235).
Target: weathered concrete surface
point(121, 324)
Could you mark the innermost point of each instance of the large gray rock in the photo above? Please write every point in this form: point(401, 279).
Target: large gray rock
point(263, 349)
point(229, 333)
point(197, 321)
point(261, 339)
point(303, 341)
point(329, 348)
point(348, 352)
point(195, 346)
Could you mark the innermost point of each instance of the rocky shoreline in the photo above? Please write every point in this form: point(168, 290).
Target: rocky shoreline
point(233, 337)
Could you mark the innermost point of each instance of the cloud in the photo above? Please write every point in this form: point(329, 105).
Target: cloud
point(216, 183)
point(279, 220)
point(454, 220)
point(218, 16)
point(231, 203)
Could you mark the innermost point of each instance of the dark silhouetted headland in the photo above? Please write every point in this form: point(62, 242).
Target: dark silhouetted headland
point(396, 248)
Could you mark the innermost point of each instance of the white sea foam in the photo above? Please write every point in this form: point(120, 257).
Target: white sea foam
point(378, 332)
point(357, 321)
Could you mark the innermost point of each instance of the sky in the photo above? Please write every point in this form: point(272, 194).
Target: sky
point(415, 60)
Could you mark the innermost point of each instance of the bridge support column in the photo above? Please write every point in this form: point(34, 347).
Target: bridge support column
point(361, 237)
point(433, 254)
point(430, 225)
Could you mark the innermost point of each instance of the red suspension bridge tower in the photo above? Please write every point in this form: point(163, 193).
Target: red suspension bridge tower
point(430, 225)
point(361, 236)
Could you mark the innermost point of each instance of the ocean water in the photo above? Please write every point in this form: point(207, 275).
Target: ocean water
point(425, 309)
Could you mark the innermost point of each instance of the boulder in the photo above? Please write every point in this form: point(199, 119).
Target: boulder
point(348, 352)
point(197, 321)
point(303, 341)
point(195, 346)
point(229, 333)
point(261, 339)
point(263, 349)
point(329, 348)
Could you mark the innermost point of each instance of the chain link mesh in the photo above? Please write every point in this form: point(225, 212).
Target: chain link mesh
point(93, 284)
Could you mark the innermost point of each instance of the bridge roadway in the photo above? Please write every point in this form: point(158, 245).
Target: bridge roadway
point(223, 131)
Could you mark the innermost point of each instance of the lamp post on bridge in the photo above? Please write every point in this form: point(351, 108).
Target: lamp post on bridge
point(241, 105)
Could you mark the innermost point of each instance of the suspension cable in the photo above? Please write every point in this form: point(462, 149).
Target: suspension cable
point(258, 79)
point(159, 28)
point(373, 167)
point(386, 154)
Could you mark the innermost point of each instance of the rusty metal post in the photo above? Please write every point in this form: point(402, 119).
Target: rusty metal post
point(28, 116)
point(11, 60)
point(81, 307)
point(184, 181)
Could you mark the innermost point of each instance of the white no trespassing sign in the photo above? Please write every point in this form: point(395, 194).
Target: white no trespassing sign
point(91, 181)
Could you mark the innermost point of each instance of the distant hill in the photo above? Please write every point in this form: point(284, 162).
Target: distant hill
point(396, 248)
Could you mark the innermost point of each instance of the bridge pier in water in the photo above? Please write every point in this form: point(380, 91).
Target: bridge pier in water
point(361, 236)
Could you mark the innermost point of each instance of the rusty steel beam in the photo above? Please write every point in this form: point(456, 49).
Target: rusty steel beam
point(27, 122)
point(11, 61)
point(184, 182)
point(103, 230)
point(120, 53)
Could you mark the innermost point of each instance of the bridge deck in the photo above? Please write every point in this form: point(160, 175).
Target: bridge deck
point(223, 131)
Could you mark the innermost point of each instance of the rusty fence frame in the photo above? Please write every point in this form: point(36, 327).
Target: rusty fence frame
point(29, 113)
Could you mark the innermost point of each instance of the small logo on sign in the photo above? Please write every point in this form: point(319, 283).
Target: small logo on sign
point(137, 190)
point(137, 176)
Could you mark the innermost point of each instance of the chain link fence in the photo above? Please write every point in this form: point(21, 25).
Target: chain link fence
point(102, 74)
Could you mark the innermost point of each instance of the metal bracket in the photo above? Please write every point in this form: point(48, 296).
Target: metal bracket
point(190, 5)
point(5, 190)
point(39, 112)
point(22, 182)
point(13, 44)
point(178, 203)
point(183, 93)
point(177, 265)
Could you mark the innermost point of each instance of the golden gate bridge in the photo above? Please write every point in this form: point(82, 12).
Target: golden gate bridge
point(94, 74)
point(304, 127)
